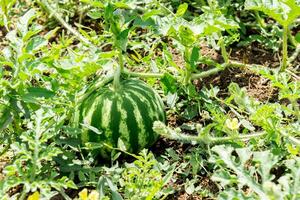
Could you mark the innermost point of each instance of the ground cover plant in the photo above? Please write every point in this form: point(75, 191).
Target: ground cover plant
point(149, 99)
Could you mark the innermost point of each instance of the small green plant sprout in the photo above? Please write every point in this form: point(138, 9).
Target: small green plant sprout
point(285, 12)
point(245, 174)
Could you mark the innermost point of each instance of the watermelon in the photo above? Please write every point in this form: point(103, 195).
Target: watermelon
point(125, 114)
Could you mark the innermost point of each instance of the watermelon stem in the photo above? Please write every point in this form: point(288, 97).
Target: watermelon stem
point(188, 74)
point(170, 133)
point(119, 70)
point(194, 76)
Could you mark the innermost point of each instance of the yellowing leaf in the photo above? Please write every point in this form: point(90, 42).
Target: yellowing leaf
point(83, 195)
point(232, 124)
point(34, 196)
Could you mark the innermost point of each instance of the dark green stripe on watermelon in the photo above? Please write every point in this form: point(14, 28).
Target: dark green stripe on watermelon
point(96, 118)
point(131, 124)
point(146, 119)
point(115, 118)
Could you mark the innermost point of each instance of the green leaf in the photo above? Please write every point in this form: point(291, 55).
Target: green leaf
point(122, 5)
point(186, 36)
point(32, 32)
point(190, 112)
point(212, 22)
point(51, 33)
point(103, 183)
point(244, 177)
point(95, 14)
point(168, 83)
point(181, 9)
point(297, 37)
point(121, 145)
point(247, 125)
point(122, 40)
point(151, 13)
point(36, 44)
point(5, 6)
point(172, 32)
point(283, 11)
point(240, 167)
point(109, 54)
point(242, 99)
point(37, 92)
point(148, 23)
point(5, 117)
point(194, 57)
point(172, 99)
point(111, 20)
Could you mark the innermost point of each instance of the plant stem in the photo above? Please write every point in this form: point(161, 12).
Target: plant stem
point(167, 132)
point(206, 73)
point(284, 48)
point(187, 75)
point(119, 70)
point(223, 49)
point(194, 75)
point(45, 5)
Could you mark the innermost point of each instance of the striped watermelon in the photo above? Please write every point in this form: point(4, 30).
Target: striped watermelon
point(127, 113)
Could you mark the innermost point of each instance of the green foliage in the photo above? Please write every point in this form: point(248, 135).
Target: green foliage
point(32, 167)
point(54, 53)
point(284, 12)
point(143, 179)
point(5, 8)
point(250, 174)
point(269, 116)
